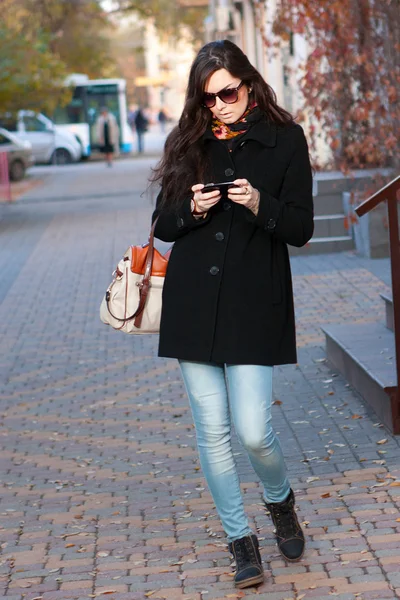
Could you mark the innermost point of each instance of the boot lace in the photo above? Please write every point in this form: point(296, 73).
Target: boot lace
point(285, 521)
point(244, 552)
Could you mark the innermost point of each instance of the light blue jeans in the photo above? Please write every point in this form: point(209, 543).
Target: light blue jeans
point(216, 392)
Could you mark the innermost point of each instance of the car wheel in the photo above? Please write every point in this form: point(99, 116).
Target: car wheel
point(17, 170)
point(61, 156)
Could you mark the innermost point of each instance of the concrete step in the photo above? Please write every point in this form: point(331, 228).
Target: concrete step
point(328, 204)
point(329, 226)
point(365, 354)
point(323, 245)
point(389, 311)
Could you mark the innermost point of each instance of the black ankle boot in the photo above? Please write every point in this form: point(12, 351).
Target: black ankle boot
point(289, 535)
point(249, 569)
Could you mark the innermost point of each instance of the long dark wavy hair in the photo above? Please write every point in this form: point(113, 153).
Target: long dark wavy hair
point(184, 161)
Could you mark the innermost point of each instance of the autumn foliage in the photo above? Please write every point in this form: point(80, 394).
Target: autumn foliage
point(351, 77)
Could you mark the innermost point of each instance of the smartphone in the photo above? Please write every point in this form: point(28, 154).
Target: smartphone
point(223, 186)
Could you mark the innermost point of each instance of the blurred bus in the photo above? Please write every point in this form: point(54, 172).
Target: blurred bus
point(80, 115)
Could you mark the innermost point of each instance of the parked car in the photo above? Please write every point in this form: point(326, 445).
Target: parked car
point(48, 144)
point(19, 154)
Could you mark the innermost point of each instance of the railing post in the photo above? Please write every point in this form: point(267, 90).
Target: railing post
point(4, 176)
point(394, 244)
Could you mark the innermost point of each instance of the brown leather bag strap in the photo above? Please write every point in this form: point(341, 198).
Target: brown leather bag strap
point(145, 284)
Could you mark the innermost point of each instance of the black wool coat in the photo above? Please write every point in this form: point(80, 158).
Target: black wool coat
point(228, 294)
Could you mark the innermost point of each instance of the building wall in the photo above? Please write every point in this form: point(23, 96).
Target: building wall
point(280, 64)
point(167, 68)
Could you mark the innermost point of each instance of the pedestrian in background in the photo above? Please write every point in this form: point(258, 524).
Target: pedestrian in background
point(228, 314)
point(162, 119)
point(107, 133)
point(141, 126)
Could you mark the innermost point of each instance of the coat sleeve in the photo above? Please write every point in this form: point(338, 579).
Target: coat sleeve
point(290, 218)
point(173, 224)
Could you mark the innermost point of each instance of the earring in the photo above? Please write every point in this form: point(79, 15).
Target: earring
point(250, 90)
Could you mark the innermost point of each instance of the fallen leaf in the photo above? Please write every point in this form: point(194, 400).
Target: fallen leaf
point(327, 495)
point(384, 441)
point(107, 592)
point(25, 584)
point(395, 484)
point(148, 594)
point(356, 416)
point(379, 484)
point(278, 402)
point(69, 545)
point(103, 554)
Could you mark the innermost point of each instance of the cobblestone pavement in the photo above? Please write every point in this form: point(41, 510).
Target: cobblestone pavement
point(100, 486)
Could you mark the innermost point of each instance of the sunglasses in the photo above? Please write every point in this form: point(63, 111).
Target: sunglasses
point(228, 96)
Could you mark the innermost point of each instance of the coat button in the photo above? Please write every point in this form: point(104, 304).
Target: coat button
point(227, 206)
point(219, 236)
point(271, 224)
point(214, 270)
point(229, 172)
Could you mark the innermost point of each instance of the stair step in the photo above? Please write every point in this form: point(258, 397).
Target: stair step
point(332, 226)
point(337, 238)
point(389, 311)
point(323, 217)
point(365, 354)
point(328, 204)
point(323, 245)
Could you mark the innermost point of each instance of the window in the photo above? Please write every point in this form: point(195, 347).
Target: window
point(34, 124)
point(3, 139)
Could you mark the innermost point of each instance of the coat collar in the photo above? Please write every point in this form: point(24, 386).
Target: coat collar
point(262, 132)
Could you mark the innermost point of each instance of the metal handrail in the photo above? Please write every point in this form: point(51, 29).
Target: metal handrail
point(390, 193)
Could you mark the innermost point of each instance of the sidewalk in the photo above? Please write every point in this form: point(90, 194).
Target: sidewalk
point(101, 490)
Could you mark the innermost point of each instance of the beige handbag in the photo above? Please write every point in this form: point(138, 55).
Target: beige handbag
point(132, 302)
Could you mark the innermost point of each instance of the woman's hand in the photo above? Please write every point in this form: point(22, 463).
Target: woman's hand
point(201, 203)
point(245, 194)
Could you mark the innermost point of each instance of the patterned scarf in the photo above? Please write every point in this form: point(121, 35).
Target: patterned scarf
point(224, 131)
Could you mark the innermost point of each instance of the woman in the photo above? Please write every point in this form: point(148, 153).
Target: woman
point(107, 133)
point(228, 303)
